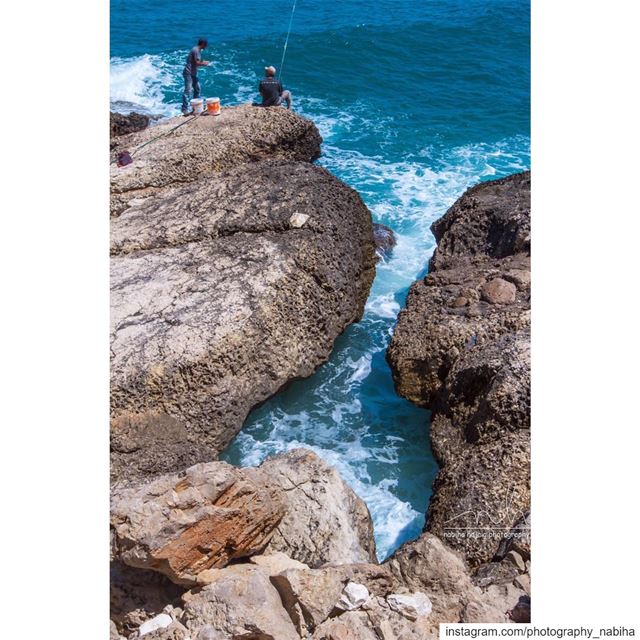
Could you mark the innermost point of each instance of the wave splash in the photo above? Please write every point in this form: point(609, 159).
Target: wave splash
point(140, 84)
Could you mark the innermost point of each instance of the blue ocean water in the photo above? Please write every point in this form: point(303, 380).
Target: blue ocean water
point(416, 101)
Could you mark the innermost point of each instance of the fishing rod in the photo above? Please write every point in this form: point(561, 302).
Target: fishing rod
point(286, 42)
point(126, 157)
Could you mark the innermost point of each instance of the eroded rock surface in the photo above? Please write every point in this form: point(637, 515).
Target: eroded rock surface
point(462, 348)
point(241, 603)
point(207, 145)
point(273, 596)
point(120, 125)
point(491, 219)
point(428, 565)
point(325, 521)
point(183, 524)
point(217, 302)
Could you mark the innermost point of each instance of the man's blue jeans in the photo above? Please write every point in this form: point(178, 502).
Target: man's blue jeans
point(190, 83)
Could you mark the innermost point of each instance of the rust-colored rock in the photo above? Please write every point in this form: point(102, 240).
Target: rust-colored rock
point(182, 525)
point(187, 525)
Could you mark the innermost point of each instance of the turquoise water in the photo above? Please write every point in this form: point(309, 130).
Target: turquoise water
point(416, 102)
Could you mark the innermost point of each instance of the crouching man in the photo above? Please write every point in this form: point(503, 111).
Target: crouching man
point(272, 92)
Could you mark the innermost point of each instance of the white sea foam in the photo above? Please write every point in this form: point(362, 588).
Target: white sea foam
point(139, 84)
point(383, 306)
point(361, 368)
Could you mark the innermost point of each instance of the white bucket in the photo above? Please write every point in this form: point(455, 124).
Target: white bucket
point(197, 104)
point(213, 106)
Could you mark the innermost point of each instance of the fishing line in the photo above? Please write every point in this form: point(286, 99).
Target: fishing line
point(286, 42)
point(162, 135)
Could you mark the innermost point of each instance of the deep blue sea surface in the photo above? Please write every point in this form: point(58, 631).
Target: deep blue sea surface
point(416, 101)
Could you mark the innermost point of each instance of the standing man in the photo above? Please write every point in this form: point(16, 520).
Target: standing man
point(272, 91)
point(190, 74)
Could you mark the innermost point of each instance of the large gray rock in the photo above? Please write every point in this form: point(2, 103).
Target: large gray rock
point(325, 521)
point(186, 525)
point(205, 146)
point(445, 322)
point(242, 603)
point(217, 302)
point(428, 566)
point(491, 219)
point(461, 347)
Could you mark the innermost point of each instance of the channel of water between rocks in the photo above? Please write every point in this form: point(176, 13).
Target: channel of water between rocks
point(348, 412)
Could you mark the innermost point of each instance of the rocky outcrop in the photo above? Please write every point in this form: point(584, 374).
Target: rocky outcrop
point(121, 125)
point(206, 145)
point(235, 265)
point(385, 240)
point(211, 531)
point(184, 525)
point(219, 297)
point(430, 566)
point(325, 521)
point(491, 219)
point(461, 347)
point(239, 602)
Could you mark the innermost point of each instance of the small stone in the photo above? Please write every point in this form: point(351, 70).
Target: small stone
point(159, 622)
point(516, 559)
point(340, 631)
point(134, 202)
point(411, 605)
point(353, 596)
point(520, 277)
point(298, 219)
point(460, 302)
point(498, 291)
point(384, 239)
